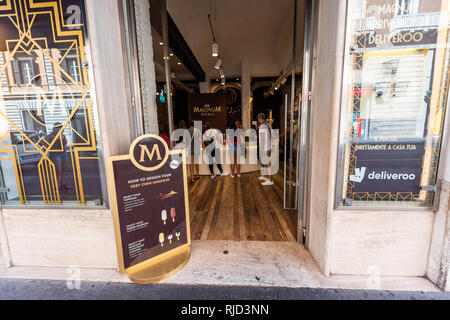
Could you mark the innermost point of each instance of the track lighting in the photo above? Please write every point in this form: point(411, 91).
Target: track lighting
point(215, 50)
point(222, 75)
point(218, 64)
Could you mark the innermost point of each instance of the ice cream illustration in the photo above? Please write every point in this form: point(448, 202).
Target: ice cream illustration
point(178, 234)
point(170, 236)
point(164, 216)
point(161, 239)
point(173, 214)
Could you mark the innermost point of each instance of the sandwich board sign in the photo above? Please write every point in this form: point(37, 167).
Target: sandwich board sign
point(149, 201)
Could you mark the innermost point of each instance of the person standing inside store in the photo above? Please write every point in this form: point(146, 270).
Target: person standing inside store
point(163, 133)
point(194, 151)
point(181, 126)
point(212, 140)
point(265, 149)
point(58, 154)
point(236, 148)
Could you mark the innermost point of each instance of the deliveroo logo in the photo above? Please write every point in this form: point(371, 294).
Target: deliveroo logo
point(359, 175)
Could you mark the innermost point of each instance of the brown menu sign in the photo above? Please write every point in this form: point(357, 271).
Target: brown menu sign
point(149, 201)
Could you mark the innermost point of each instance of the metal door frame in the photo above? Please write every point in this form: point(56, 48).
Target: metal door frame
point(304, 123)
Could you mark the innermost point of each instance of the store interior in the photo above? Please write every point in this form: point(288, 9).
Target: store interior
point(248, 50)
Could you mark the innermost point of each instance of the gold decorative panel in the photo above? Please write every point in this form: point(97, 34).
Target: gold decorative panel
point(48, 143)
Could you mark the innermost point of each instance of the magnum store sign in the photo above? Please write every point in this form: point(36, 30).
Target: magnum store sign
point(209, 107)
point(151, 213)
point(388, 23)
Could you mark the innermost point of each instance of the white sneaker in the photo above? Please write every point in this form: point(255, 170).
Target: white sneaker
point(232, 176)
point(238, 175)
point(224, 174)
point(262, 178)
point(213, 177)
point(268, 183)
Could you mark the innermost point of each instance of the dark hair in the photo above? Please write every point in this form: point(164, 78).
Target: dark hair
point(182, 124)
point(56, 127)
point(191, 123)
point(208, 125)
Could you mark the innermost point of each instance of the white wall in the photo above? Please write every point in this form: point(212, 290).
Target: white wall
point(389, 242)
point(325, 111)
point(61, 238)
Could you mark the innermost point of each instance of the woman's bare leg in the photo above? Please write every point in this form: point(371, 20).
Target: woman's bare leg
point(238, 166)
point(191, 169)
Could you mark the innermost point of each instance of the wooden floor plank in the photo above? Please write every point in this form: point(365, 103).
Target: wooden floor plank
point(239, 209)
point(214, 209)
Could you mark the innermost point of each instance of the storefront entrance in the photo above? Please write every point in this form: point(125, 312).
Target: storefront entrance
point(225, 64)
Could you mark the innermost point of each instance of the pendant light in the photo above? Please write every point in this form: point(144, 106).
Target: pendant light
point(218, 64)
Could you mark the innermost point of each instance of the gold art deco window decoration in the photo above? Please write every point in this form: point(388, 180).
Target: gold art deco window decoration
point(395, 99)
point(49, 151)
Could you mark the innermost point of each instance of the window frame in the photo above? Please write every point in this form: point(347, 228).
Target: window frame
point(339, 184)
point(105, 205)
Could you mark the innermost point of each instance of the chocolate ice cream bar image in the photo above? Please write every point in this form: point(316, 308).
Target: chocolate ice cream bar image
point(173, 214)
point(169, 237)
point(164, 216)
point(161, 239)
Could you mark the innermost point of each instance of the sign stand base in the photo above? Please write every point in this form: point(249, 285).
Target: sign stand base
point(161, 269)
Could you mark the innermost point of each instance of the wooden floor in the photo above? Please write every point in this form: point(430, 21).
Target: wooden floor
point(239, 209)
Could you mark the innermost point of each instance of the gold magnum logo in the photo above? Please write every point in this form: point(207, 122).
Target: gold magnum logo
point(150, 155)
point(149, 152)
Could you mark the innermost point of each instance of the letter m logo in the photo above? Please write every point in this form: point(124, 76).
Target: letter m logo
point(150, 155)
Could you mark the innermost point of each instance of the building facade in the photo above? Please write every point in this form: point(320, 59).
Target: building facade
point(377, 186)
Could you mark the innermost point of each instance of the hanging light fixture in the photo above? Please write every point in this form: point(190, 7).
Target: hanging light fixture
point(215, 50)
point(222, 75)
point(218, 64)
point(222, 82)
point(215, 46)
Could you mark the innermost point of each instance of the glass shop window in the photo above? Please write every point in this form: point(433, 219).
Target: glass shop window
point(49, 135)
point(394, 103)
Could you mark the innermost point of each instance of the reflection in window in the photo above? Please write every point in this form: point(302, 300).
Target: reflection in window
point(25, 70)
point(397, 77)
point(71, 67)
point(48, 140)
point(405, 7)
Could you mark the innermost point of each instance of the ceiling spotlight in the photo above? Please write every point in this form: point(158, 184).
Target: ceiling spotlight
point(222, 82)
point(237, 79)
point(161, 43)
point(179, 63)
point(222, 75)
point(284, 81)
point(171, 54)
point(215, 50)
point(218, 64)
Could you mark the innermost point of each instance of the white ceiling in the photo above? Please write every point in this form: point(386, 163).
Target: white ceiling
point(258, 32)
